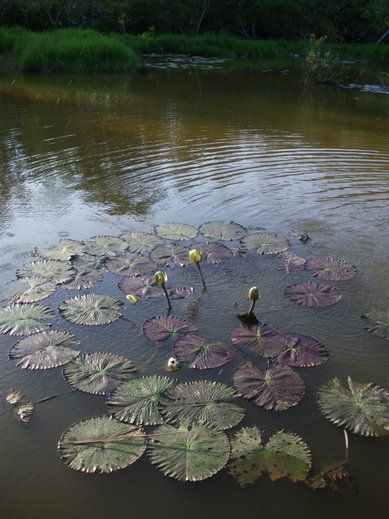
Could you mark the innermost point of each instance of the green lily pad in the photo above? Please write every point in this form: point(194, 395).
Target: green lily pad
point(137, 400)
point(176, 231)
point(39, 289)
point(379, 323)
point(360, 408)
point(106, 246)
point(91, 309)
point(203, 402)
point(190, 452)
point(98, 373)
point(265, 243)
point(161, 328)
point(223, 231)
point(44, 350)
point(49, 270)
point(141, 242)
point(170, 256)
point(135, 265)
point(64, 251)
point(201, 354)
point(84, 278)
point(21, 319)
point(101, 444)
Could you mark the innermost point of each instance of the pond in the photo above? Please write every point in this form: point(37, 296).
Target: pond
point(82, 156)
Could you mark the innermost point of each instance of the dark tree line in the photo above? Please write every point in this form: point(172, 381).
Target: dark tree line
point(339, 20)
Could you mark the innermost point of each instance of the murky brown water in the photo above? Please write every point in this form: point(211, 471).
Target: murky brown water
point(81, 156)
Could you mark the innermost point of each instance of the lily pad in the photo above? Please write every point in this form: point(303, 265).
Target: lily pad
point(65, 250)
point(23, 319)
point(13, 397)
point(292, 262)
point(91, 309)
point(137, 400)
point(223, 231)
point(379, 322)
point(170, 256)
point(215, 253)
point(204, 402)
point(302, 351)
point(189, 453)
point(265, 243)
point(286, 455)
point(98, 373)
point(44, 350)
point(142, 286)
point(201, 354)
point(277, 388)
point(101, 444)
point(360, 408)
point(260, 340)
point(312, 294)
point(331, 269)
point(161, 328)
point(39, 289)
point(135, 265)
point(106, 246)
point(141, 242)
point(24, 411)
point(176, 231)
point(84, 278)
point(49, 270)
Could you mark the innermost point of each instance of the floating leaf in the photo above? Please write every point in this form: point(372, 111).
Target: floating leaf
point(50, 270)
point(176, 231)
point(215, 253)
point(204, 402)
point(170, 256)
point(140, 242)
point(265, 243)
point(106, 246)
point(285, 455)
point(360, 408)
point(22, 319)
point(331, 269)
point(379, 322)
point(13, 397)
point(292, 262)
point(101, 444)
point(180, 293)
point(89, 262)
point(302, 351)
point(312, 294)
point(39, 289)
point(201, 354)
point(65, 250)
point(223, 231)
point(44, 350)
point(276, 388)
point(190, 453)
point(91, 309)
point(83, 279)
point(331, 476)
point(98, 373)
point(161, 328)
point(261, 340)
point(137, 400)
point(24, 411)
point(142, 286)
point(135, 265)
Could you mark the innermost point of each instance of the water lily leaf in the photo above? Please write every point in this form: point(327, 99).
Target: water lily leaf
point(265, 243)
point(106, 246)
point(170, 256)
point(331, 269)
point(312, 294)
point(135, 265)
point(285, 455)
point(181, 293)
point(292, 262)
point(161, 328)
point(65, 250)
point(331, 475)
point(101, 444)
point(44, 350)
point(204, 402)
point(89, 262)
point(98, 373)
point(360, 408)
point(302, 351)
point(24, 411)
point(142, 286)
point(23, 319)
point(223, 231)
point(39, 289)
point(189, 453)
point(137, 400)
point(201, 354)
point(379, 322)
point(49, 270)
point(141, 242)
point(91, 309)
point(215, 253)
point(176, 231)
point(260, 340)
point(83, 279)
point(276, 388)
point(13, 397)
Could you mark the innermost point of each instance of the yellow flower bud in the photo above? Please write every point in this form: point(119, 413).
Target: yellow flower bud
point(133, 298)
point(160, 277)
point(195, 256)
point(253, 294)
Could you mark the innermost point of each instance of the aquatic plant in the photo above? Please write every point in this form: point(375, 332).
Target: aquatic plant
point(161, 328)
point(195, 256)
point(160, 278)
point(23, 319)
point(312, 294)
point(91, 309)
point(201, 354)
point(261, 340)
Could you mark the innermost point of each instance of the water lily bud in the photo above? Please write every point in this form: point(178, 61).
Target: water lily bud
point(253, 294)
point(133, 298)
point(160, 277)
point(195, 256)
point(173, 364)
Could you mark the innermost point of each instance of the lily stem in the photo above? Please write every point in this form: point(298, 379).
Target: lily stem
point(167, 297)
point(201, 276)
point(251, 309)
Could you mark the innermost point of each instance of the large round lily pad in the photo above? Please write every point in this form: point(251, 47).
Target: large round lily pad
point(191, 452)
point(170, 255)
point(106, 246)
point(98, 373)
point(84, 278)
point(220, 230)
point(260, 340)
point(276, 388)
point(135, 264)
point(176, 231)
point(360, 408)
point(302, 351)
point(204, 402)
point(142, 286)
point(215, 253)
point(379, 323)
point(161, 328)
point(331, 269)
point(91, 309)
point(65, 250)
point(141, 242)
point(201, 354)
point(39, 289)
point(49, 270)
point(44, 350)
point(22, 319)
point(312, 294)
point(101, 444)
point(265, 243)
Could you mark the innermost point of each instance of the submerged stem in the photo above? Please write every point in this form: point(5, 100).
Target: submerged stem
point(251, 309)
point(201, 276)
